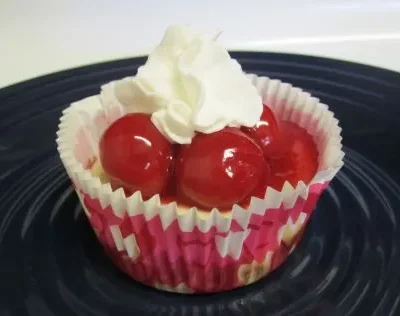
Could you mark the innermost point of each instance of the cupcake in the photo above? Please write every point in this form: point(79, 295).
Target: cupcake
point(195, 176)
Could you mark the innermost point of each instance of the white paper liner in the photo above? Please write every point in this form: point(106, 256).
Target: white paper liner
point(92, 115)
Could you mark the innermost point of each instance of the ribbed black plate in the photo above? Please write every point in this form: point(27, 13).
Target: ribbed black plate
point(347, 264)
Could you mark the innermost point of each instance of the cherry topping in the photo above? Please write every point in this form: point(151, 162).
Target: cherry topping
point(136, 156)
point(265, 131)
point(260, 189)
point(293, 157)
point(219, 169)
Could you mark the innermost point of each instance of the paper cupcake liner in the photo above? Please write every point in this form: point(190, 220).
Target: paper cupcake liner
point(191, 251)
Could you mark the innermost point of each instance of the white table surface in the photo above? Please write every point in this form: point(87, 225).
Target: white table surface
point(42, 36)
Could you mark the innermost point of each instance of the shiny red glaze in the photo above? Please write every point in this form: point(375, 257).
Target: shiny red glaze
point(293, 156)
point(136, 156)
point(260, 189)
point(219, 169)
point(265, 131)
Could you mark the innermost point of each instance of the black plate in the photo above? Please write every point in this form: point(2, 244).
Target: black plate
point(347, 264)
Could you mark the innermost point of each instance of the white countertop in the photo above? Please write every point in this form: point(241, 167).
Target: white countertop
point(43, 36)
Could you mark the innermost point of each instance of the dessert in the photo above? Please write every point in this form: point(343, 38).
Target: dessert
point(195, 176)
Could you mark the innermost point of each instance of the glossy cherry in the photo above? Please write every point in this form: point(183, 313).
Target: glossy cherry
point(293, 156)
point(265, 131)
point(260, 190)
point(136, 156)
point(219, 169)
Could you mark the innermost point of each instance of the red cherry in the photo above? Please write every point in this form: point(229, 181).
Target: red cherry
point(293, 156)
point(135, 155)
point(260, 189)
point(219, 169)
point(265, 131)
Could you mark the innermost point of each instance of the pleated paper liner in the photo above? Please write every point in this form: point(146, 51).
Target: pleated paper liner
point(188, 250)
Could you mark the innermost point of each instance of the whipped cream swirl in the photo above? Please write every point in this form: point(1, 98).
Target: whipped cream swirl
point(189, 84)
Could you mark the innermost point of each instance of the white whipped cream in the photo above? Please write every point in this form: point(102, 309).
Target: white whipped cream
point(189, 84)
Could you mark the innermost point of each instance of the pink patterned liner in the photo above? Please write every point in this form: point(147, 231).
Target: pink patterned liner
point(187, 252)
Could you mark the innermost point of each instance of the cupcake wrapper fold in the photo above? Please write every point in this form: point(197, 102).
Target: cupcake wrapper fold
point(191, 251)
